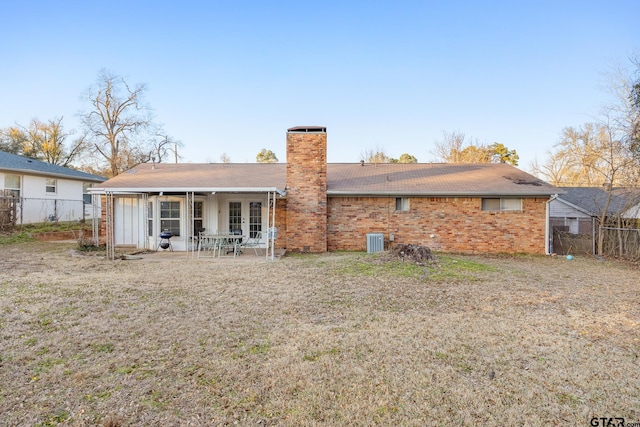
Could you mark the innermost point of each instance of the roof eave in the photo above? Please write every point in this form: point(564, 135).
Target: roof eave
point(438, 194)
point(54, 174)
point(139, 190)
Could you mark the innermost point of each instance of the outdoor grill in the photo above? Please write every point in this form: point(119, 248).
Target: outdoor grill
point(165, 240)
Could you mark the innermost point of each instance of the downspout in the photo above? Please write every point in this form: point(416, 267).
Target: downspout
point(547, 241)
point(593, 236)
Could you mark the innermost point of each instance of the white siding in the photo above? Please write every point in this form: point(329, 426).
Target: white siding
point(559, 209)
point(66, 204)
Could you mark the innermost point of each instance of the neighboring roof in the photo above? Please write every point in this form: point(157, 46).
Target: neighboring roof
point(592, 200)
point(426, 179)
point(15, 163)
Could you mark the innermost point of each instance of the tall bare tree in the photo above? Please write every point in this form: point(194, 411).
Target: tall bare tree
point(448, 150)
point(163, 147)
point(589, 156)
point(604, 152)
point(114, 122)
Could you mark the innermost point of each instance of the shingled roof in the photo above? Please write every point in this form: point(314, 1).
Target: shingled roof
point(434, 179)
point(592, 200)
point(19, 164)
point(425, 179)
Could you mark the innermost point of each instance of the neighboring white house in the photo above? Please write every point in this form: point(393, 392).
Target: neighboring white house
point(575, 218)
point(580, 208)
point(36, 191)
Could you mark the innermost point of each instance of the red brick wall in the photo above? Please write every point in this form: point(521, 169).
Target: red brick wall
point(450, 224)
point(281, 222)
point(306, 219)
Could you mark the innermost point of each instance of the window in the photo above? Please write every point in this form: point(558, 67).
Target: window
point(255, 218)
point(170, 217)
point(150, 218)
point(506, 204)
point(12, 184)
point(402, 203)
point(235, 216)
point(86, 197)
point(51, 185)
point(198, 207)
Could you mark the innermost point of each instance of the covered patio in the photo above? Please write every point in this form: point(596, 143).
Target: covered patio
point(148, 211)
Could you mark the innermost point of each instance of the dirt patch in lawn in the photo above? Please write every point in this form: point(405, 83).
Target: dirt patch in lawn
point(337, 339)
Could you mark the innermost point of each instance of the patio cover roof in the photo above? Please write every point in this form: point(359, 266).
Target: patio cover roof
point(419, 179)
point(198, 177)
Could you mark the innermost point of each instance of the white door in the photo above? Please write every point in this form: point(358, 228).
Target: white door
point(126, 221)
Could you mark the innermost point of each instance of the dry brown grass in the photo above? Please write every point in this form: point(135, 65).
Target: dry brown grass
point(339, 339)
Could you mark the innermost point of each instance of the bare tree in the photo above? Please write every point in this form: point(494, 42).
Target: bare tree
point(224, 158)
point(592, 155)
point(163, 147)
point(114, 122)
point(374, 155)
point(554, 170)
point(448, 150)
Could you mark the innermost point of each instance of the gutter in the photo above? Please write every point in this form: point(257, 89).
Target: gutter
point(140, 190)
point(89, 178)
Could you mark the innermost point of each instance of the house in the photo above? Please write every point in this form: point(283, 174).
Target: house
point(579, 208)
point(576, 213)
point(318, 207)
point(32, 191)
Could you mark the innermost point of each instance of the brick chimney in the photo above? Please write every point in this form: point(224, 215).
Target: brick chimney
point(306, 229)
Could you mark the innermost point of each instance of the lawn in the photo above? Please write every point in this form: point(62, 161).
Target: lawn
point(337, 339)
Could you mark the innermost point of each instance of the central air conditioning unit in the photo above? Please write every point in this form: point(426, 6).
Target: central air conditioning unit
point(375, 242)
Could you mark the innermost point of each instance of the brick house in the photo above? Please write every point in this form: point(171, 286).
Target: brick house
point(318, 207)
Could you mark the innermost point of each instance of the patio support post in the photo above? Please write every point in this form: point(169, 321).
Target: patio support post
point(273, 237)
point(109, 232)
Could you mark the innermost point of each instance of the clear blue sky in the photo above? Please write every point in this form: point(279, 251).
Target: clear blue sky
point(231, 77)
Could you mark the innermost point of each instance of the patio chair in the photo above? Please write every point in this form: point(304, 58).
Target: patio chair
point(232, 243)
point(254, 242)
point(206, 245)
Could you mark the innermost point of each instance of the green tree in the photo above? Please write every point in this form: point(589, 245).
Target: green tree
point(48, 142)
point(502, 154)
point(475, 154)
point(266, 156)
point(455, 148)
point(45, 141)
point(12, 140)
point(407, 158)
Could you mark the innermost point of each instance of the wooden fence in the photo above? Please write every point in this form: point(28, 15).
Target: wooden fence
point(8, 211)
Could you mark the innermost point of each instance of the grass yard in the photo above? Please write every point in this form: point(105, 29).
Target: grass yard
point(331, 340)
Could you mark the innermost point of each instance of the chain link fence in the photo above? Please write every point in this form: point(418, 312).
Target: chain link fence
point(17, 211)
